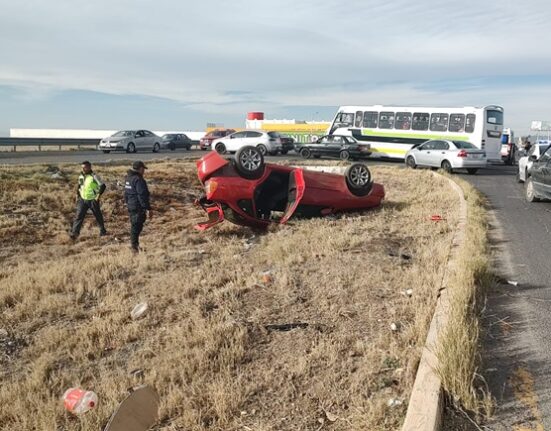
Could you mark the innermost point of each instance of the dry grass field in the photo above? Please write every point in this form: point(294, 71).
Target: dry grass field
point(206, 343)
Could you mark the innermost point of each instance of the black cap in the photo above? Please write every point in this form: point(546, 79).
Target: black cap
point(138, 164)
point(87, 163)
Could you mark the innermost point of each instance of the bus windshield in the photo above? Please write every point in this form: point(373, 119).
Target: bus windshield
point(494, 117)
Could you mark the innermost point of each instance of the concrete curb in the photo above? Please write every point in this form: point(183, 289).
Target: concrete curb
point(425, 407)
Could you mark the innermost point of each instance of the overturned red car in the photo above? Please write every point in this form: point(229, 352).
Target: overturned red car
point(249, 192)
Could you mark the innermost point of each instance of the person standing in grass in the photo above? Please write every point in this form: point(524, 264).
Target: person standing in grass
point(90, 188)
point(136, 197)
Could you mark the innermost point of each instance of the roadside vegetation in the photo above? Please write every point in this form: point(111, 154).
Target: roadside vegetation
point(318, 324)
point(459, 354)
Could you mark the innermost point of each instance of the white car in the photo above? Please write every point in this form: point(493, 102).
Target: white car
point(526, 161)
point(131, 141)
point(266, 142)
point(448, 155)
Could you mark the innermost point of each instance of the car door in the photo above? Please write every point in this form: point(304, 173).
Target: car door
point(150, 138)
point(139, 139)
point(297, 186)
point(541, 173)
point(334, 146)
point(423, 152)
point(235, 141)
point(321, 146)
point(254, 138)
point(440, 152)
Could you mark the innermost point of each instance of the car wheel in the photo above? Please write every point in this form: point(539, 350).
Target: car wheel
point(156, 147)
point(131, 148)
point(530, 192)
point(306, 153)
point(106, 151)
point(249, 162)
point(410, 162)
point(358, 179)
point(447, 167)
point(344, 155)
point(188, 148)
point(262, 148)
point(472, 171)
point(283, 152)
point(220, 148)
point(173, 147)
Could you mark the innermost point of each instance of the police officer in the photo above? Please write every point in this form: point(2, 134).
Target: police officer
point(90, 188)
point(136, 196)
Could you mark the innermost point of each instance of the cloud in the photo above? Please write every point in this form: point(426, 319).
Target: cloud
point(222, 57)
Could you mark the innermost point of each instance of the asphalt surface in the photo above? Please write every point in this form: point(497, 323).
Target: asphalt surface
point(517, 318)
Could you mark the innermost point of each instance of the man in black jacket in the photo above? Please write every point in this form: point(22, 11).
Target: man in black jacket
point(136, 196)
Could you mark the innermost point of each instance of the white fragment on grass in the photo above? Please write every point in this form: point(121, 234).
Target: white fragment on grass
point(512, 283)
point(394, 402)
point(330, 416)
point(394, 326)
point(139, 310)
point(409, 292)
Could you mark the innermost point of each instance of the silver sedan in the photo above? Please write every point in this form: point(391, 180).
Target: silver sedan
point(447, 155)
point(131, 141)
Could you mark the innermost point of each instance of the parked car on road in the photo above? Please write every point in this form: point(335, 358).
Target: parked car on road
point(266, 142)
point(538, 183)
point(287, 144)
point(249, 192)
point(206, 141)
point(343, 147)
point(171, 141)
point(526, 161)
point(447, 155)
point(131, 141)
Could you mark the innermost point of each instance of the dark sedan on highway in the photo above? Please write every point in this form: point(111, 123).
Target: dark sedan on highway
point(343, 147)
point(171, 141)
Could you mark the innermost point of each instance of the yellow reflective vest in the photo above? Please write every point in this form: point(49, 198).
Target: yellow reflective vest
point(89, 186)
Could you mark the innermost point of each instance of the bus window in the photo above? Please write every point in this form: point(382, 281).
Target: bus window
point(386, 120)
point(403, 121)
point(469, 123)
point(420, 121)
point(494, 117)
point(439, 122)
point(345, 120)
point(371, 119)
point(457, 123)
point(359, 115)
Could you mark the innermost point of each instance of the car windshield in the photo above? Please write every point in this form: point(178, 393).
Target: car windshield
point(168, 136)
point(124, 133)
point(463, 145)
point(274, 135)
point(352, 140)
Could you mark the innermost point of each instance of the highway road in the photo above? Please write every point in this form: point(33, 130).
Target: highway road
point(517, 318)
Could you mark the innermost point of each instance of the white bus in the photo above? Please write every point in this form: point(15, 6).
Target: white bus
point(393, 130)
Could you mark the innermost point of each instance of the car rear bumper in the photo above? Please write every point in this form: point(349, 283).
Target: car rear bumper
point(465, 163)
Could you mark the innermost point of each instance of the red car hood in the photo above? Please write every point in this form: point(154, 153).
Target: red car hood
point(209, 164)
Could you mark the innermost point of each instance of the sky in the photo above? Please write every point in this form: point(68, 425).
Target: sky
point(176, 65)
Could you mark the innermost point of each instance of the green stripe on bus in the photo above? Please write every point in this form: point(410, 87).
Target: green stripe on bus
point(368, 132)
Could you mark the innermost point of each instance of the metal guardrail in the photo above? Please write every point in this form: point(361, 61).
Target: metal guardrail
point(54, 142)
point(47, 142)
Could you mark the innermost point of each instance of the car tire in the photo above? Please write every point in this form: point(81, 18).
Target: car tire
point(131, 148)
point(447, 167)
point(262, 148)
point(472, 171)
point(156, 147)
point(283, 152)
point(410, 162)
point(358, 179)
point(306, 153)
point(173, 147)
point(220, 148)
point(188, 148)
point(106, 151)
point(529, 191)
point(344, 155)
point(249, 162)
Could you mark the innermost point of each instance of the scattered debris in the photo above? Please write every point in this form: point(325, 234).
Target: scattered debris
point(437, 218)
point(139, 411)
point(79, 401)
point(267, 277)
point(394, 402)
point(57, 176)
point(330, 416)
point(284, 327)
point(137, 373)
point(512, 283)
point(139, 310)
point(394, 327)
point(409, 292)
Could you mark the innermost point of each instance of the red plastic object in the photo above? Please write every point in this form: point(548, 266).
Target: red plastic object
point(255, 116)
point(436, 218)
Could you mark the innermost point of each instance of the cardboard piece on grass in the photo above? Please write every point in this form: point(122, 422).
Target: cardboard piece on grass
point(139, 411)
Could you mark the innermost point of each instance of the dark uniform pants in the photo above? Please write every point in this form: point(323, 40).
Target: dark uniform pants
point(82, 209)
point(137, 220)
